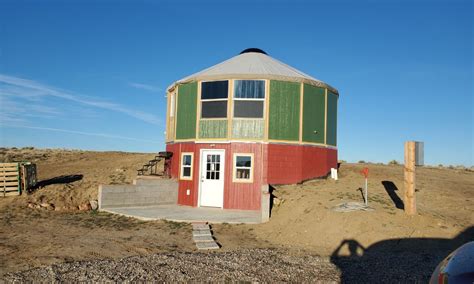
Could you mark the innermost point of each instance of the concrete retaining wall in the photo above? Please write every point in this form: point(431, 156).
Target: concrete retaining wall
point(160, 192)
point(265, 203)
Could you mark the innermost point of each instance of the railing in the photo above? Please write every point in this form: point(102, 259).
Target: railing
point(151, 168)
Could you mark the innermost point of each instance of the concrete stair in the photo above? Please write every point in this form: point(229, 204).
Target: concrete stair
point(202, 237)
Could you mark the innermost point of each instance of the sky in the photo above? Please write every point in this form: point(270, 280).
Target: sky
point(93, 74)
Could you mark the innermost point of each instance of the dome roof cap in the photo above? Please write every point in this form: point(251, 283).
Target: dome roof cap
point(253, 49)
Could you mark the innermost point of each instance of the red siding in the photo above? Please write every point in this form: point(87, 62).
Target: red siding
point(289, 164)
point(174, 148)
point(273, 164)
point(244, 195)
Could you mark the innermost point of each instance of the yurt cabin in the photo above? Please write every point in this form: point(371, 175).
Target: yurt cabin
point(245, 123)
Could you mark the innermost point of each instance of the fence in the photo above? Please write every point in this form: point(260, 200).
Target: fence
point(16, 177)
point(10, 179)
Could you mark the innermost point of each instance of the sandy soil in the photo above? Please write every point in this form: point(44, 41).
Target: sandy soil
point(302, 220)
point(445, 200)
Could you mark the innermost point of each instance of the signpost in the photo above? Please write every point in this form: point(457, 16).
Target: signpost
point(365, 173)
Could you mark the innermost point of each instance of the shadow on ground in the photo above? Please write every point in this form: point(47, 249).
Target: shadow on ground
point(395, 260)
point(392, 189)
point(57, 180)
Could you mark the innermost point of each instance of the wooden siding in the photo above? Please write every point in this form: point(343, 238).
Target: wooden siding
point(284, 111)
point(213, 128)
point(273, 164)
point(245, 196)
point(314, 114)
point(332, 119)
point(248, 129)
point(290, 164)
point(186, 111)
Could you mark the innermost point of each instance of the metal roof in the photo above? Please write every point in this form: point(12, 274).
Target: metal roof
point(253, 65)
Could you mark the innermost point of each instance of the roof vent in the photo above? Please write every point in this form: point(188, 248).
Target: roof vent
point(253, 49)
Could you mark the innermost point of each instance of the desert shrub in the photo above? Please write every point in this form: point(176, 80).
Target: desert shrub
point(393, 162)
point(342, 161)
point(28, 148)
point(361, 162)
point(440, 165)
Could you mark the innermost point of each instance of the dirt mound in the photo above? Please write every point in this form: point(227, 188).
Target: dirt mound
point(304, 219)
point(70, 178)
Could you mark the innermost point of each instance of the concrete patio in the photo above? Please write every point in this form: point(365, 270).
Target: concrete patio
point(172, 212)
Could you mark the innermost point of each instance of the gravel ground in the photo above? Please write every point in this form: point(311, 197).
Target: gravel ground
point(250, 265)
point(246, 265)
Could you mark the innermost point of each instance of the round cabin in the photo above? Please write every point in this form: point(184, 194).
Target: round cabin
point(246, 123)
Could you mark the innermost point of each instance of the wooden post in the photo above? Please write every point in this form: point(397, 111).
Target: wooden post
point(409, 181)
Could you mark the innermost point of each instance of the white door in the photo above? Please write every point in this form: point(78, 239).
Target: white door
point(212, 178)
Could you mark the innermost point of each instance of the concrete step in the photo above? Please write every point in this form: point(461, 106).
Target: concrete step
point(203, 239)
point(200, 233)
point(207, 246)
point(201, 226)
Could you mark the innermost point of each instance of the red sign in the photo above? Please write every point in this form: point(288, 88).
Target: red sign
point(365, 172)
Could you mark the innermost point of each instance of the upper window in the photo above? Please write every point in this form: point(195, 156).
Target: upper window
point(187, 166)
point(214, 99)
point(249, 98)
point(243, 168)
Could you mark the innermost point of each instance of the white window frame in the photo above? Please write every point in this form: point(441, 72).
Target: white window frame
point(214, 100)
point(182, 166)
point(246, 99)
point(234, 168)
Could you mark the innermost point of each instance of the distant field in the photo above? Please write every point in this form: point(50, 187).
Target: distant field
point(302, 221)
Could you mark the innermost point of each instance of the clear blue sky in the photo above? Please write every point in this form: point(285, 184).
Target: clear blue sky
point(92, 75)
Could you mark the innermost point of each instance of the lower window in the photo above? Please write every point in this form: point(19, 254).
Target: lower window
point(186, 166)
point(243, 168)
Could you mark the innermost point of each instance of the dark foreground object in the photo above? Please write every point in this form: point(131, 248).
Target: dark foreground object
point(457, 267)
point(263, 265)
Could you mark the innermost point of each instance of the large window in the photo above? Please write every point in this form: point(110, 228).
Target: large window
point(249, 98)
point(243, 168)
point(214, 99)
point(186, 166)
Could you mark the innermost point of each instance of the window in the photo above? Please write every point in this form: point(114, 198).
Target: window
point(213, 166)
point(243, 171)
point(214, 99)
point(187, 166)
point(249, 98)
point(172, 105)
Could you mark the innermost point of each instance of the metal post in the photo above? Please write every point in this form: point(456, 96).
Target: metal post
point(366, 196)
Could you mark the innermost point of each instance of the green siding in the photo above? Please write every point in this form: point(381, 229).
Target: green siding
point(248, 128)
point(213, 128)
point(186, 111)
point(284, 111)
point(313, 114)
point(332, 119)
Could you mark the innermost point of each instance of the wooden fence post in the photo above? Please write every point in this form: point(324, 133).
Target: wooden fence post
point(409, 180)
